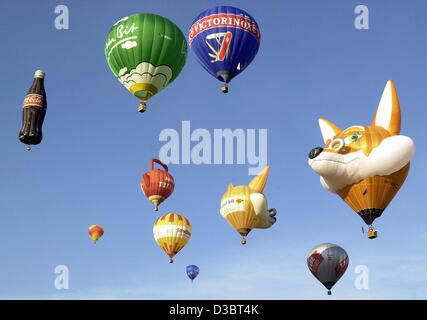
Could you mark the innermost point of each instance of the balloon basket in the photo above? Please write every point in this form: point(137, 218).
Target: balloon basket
point(29, 148)
point(329, 292)
point(224, 88)
point(170, 260)
point(243, 241)
point(142, 107)
point(372, 233)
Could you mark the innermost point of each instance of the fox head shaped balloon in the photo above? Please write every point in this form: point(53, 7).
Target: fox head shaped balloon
point(365, 165)
point(245, 207)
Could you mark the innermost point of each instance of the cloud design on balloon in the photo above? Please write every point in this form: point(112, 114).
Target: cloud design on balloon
point(123, 71)
point(158, 76)
point(129, 44)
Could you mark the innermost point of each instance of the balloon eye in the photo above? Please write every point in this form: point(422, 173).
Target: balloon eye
point(352, 138)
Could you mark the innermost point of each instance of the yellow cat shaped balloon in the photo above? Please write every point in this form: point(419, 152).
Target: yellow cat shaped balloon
point(246, 208)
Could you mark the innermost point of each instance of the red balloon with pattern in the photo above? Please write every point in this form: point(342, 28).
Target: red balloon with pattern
point(157, 184)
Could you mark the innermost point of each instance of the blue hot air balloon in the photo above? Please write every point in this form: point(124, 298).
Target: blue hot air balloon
point(224, 40)
point(192, 271)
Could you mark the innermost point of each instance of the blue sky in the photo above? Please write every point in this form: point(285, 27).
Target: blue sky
point(312, 62)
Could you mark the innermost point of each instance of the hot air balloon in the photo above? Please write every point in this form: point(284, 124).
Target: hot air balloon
point(172, 231)
point(327, 262)
point(246, 208)
point(224, 40)
point(157, 185)
point(365, 165)
point(33, 112)
point(95, 232)
point(192, 271)
point(145, 52)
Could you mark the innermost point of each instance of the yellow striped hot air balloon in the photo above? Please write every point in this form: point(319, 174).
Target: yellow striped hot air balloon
point(95, 232)
point(172, 231)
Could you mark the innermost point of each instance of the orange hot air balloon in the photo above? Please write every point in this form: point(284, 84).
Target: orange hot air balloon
point(95, 232)
point(157, 185)
point(365, 165)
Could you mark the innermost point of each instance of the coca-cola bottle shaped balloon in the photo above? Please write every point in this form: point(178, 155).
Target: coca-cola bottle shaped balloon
point(33, 112)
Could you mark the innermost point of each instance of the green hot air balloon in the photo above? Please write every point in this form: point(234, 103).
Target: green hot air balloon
point(145, 52)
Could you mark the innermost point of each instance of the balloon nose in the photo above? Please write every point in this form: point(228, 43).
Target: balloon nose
point(315, 152)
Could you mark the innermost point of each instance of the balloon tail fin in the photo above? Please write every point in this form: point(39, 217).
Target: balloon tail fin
point(258, 183)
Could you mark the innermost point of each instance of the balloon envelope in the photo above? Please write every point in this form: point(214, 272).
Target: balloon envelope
point(381, 191)
point(224, 40)
point(365, 165)
point(145, 52)
point(157, 184)
point(192, 271)
point(245, 207)
point(327, 262)
point(237, 209)
point(172, 231)
point(95, 232)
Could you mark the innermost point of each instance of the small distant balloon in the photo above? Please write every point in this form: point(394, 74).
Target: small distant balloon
point(95, 232)
point(192, 271)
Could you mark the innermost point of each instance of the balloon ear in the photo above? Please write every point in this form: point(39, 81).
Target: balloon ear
point(230, 187)
point(328, 130)
point(258, 183)
point(388, 112)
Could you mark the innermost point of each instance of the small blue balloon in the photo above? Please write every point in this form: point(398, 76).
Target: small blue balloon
point(192, 271)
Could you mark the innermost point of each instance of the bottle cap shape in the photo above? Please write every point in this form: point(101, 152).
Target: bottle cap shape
point(39, 74)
